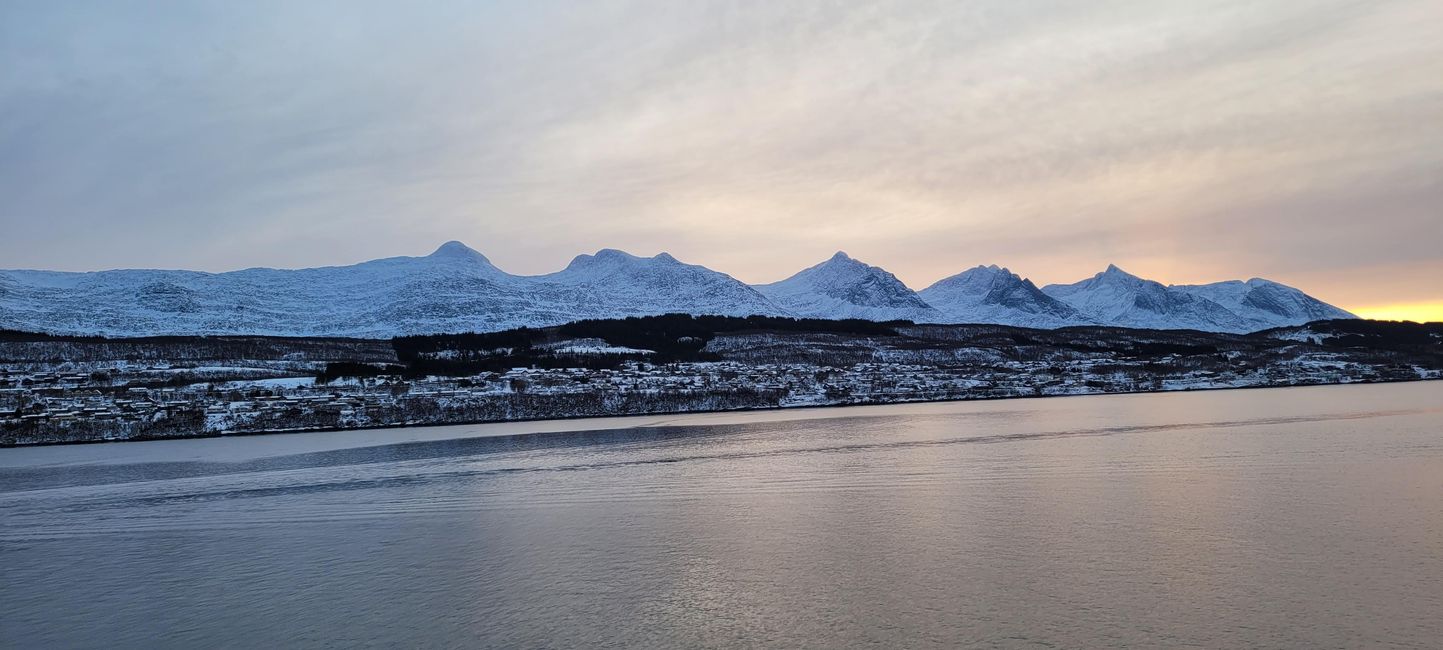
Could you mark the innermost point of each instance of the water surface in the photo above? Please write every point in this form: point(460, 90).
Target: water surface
point(1304, 517)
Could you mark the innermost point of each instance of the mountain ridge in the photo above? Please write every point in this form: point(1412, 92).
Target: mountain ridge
point(456, 289)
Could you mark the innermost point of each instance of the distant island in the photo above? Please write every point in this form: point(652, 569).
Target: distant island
point(65, 388)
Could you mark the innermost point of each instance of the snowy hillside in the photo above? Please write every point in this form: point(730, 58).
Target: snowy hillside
point(989, 294)
point(456, 289)
point(842, 287)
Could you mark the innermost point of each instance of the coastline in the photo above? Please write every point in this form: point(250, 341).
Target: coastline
point(653, 414)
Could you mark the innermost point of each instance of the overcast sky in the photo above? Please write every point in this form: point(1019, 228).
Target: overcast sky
point(1184, 141)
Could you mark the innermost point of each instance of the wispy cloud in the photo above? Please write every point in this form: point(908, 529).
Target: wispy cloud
point(1296, 140)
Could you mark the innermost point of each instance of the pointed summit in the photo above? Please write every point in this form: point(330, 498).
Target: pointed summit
point(993, 294)
point(843, 287)
point(1113, 271)
point(455, 250)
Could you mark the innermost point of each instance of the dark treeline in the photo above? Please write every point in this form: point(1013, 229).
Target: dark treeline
point(685, 338)
point(337, 370)
point(668, 338)
point(1399, 336)
point(29, 347)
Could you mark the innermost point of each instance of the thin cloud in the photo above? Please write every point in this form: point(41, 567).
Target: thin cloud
point(1298, 140)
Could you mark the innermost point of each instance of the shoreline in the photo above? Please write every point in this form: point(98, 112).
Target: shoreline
point(771, 409)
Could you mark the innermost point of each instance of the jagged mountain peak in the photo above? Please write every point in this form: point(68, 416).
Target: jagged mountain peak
point(844, 287)
point(993, 294)
point(1115, 273)
point(1112, 279)
point(841, 269)
point(980, 275)
point(613, 256)
point(987, 270)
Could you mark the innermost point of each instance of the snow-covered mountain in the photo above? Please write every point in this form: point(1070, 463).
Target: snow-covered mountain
point(992, 294)
point(1116, 297)
point(1265, 302)
point(612, 284)
point(842, 287)
point(456, 289)
point(453, 289)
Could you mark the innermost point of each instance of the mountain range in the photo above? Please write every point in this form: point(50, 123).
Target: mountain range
point(456, 289)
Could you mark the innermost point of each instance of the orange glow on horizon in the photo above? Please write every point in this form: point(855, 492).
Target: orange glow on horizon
point(1421, 312)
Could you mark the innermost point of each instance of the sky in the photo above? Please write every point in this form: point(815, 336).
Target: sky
point(1297, 140)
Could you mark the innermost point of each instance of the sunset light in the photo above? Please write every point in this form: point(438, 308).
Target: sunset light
point(1418, 312)
point(716, 324)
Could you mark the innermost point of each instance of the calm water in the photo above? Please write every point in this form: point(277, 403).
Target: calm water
point(1305, 518)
